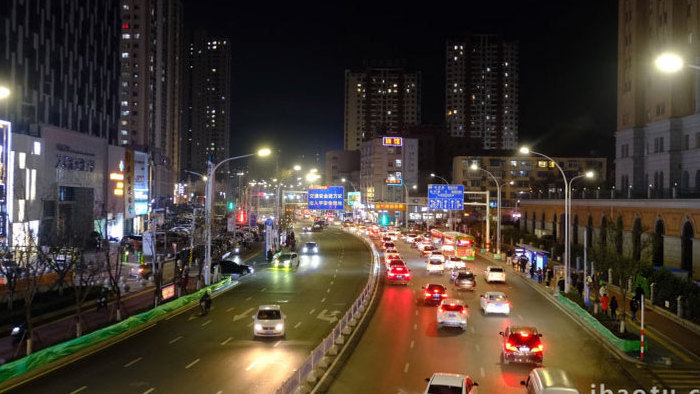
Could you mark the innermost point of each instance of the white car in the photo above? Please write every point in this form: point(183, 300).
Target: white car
point(453, 262)
point(269, 322)
point(435, 255)
point(450, 383)
point(287, 260)
point(452, 313)
point(435, 266)
point(494, 302)
point(494, 274)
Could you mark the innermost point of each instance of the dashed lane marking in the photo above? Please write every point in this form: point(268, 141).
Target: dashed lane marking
point(230, 309)
point(331, 283)
point(328, 290)
point(520, 317)
point(483, 373)
point(132, 362)
point(297, 325)
point(227, 340)
point(78, 390)
point(251, 365)
point(149, 391)
point(412, 343)
point(206, 322)
point(478, 348)
point(175, 339)
point(415, 326)
point(405, 368)
point(263, 289)
point(323, 300)
point(311, 312)
point(192, 363)
point(249, 298)
point(277, 343)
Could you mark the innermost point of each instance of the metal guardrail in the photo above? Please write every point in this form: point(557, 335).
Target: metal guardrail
point(294, 382)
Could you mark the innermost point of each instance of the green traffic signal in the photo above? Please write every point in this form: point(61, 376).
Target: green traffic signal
point(231, 205)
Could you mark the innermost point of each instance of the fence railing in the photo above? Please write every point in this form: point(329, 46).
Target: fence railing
point(336, 336)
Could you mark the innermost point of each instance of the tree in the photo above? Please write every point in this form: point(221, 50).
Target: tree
point(62, 260)
point(114, 267)
point(11, 271)
point(84, 282)
point(32, 265)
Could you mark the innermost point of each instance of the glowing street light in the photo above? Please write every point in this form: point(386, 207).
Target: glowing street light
point(4, 92)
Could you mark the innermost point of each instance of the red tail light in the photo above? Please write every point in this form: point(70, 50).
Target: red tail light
point(391, 275)
point(427, 294)
point(464, 311)
point(444, 295)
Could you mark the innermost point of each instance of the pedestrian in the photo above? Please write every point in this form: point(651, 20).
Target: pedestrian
point(613, 307)
point(550, 274)
point(509, 257)
point(638, 293)
point(533, 268)
point(603, 289)
point(605, 303)
point(634, 306)
point(561, 285)
point(539, 275)
point(579, 288)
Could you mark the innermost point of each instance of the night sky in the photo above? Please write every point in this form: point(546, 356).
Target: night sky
point(289, 61)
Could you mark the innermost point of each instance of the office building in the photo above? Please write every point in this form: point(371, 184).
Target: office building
point(343, 164)
point(481, 90)
point(657, 142)
point(387, 167)
point(378, 102)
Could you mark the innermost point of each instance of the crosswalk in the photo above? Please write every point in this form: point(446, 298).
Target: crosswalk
point(683, 379)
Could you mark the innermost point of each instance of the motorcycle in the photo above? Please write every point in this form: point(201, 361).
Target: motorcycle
point(18, 333)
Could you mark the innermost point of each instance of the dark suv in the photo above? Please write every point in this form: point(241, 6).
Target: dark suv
point(522, 345)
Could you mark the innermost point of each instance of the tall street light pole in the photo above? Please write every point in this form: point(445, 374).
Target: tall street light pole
point(567, 267)
point(209, 196)
point(474, 167)
point(433, 175)
point(587, 174)
point(354, 189)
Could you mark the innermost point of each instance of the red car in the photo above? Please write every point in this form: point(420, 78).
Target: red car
point(522, 345)
point(399, 274)
point(434, 293)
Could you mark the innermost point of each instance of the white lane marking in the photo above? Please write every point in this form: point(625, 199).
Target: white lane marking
point(297, 325)
point(250, 324)
point(483, 374)
point(416, 313)
point(478, 348)
point(263, 289)
point(328, 290)
point(415, 326)
point(227, 340)
point(244, 314)
point(132, 362)
point(175, 339)
point(206, 322)
point(412, 343)
point(520, 316)
point(334, 276)
point(323, 300)
point(277, 343)
point(220, 392)
point(192, 317)
point(192, 363)
point(149, 391)
point(78, 390)
point(336, 270)
point(230, 309)
point(249, 298)
point(405, 368)
point(251, 365)
point(312, 311)
point(331, 283)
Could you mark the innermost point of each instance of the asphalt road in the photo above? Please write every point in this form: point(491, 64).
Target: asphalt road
point(216, 353)
point(402, 345)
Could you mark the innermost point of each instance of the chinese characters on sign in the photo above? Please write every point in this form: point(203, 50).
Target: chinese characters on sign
point(328, 197)
point(443, 196)
point(394, 181)
point(392, 141)
point(390, 206)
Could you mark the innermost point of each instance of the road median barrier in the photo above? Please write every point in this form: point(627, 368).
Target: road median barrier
point(47, 359)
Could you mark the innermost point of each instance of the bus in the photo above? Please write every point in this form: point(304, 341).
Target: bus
point(455, 243)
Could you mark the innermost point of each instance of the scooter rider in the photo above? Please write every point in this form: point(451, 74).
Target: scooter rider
point(205, 302)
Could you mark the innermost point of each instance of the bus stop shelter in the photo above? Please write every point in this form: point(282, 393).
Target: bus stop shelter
point(534, 255)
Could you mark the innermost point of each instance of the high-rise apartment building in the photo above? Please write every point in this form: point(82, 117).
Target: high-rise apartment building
point(59, 72)
point(481, 90)
point(207, 117)
point(150, 91)
point(387, 171)
point(657, 148)
point(380, 101)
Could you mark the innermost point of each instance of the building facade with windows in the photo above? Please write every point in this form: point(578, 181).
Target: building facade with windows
point(386, 170)
point(657, 142)
point(378, 102)
point(481, 90)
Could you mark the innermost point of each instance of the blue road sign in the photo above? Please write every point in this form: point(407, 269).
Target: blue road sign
point(441, 196)
point(326, 197)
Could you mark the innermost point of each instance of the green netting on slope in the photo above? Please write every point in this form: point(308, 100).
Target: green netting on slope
point(626, 345)
point(56, 352)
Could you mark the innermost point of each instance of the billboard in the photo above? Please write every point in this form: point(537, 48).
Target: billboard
point(392, 141)
point(326, 197)
point(443, 196)
point(354, 199)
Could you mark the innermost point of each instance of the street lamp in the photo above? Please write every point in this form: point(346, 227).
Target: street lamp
point(567, 277)
point(587, 174)
point(671, 63)
point(474, 167)
point(4, 92)
point(209, 196)
point(350, 182)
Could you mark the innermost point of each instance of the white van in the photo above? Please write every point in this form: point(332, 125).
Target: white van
point(549, 381)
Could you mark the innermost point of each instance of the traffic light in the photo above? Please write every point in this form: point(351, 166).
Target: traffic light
point(231, 205)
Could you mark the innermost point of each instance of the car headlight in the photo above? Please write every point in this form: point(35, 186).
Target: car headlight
point(305, 250)
point(315, 250)
point(279, 326)
point(237, 250)
point(258, 327)
point(286, 262)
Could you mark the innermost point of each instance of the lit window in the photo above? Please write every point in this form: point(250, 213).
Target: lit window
point(125, 55)
point(125, 103)
point(125, 132)
point(37, 148)
point(22, 160)
point(126, 36)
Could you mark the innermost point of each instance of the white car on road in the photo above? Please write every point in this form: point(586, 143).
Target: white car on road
point(452, 313)
point(453, 262)
point(494, 302)
point(442, 382)
point(435, 255)
point(494, 274)
point(269, 322)
point(434, 266)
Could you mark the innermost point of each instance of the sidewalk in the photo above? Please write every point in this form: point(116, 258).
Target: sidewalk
point(138, 299)
point(669, 342)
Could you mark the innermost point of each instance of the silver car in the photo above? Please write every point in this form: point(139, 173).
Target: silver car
point(465, 281)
